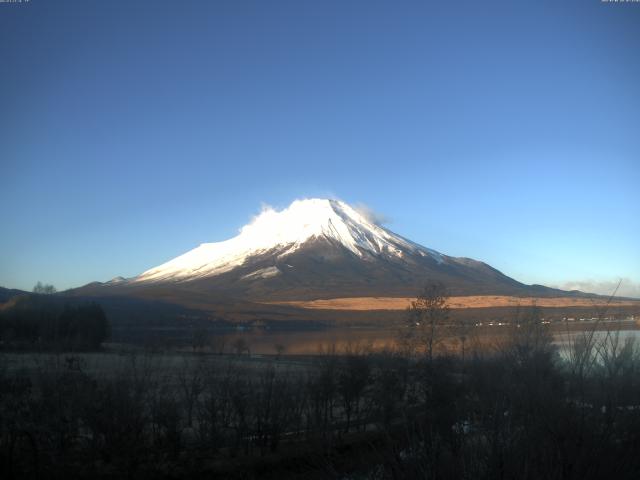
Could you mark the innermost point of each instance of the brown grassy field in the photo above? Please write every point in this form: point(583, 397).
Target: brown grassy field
point(478, 301)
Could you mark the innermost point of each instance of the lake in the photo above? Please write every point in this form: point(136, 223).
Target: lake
point(310, 342)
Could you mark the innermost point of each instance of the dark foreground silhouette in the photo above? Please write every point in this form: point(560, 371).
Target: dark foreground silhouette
point(521, 410)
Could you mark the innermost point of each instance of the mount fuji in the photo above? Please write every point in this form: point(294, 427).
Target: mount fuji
point(315, 249)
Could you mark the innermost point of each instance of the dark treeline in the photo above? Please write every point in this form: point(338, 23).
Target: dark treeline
point(43, 322)
point(523, 410)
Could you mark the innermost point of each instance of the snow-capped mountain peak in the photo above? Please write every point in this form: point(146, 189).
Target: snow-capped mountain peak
point(282, 233)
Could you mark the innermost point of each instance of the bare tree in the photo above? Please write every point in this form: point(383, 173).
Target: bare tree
point(354, 375)
point(529, 337)
point(218, 344)
point(427, 318)
point(199, 339)
point(241, 346)
point(45, 288)
point(464, 331)
point(191, 381)
point(280, 349)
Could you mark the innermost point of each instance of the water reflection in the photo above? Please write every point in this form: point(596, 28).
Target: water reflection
point(310, 342)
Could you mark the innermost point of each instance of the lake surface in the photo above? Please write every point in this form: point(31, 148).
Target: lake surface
point(310, 342)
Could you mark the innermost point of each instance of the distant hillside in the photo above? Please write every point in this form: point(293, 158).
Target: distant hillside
point(7, 293)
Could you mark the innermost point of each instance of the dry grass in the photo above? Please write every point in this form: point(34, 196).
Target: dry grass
point(477, 301)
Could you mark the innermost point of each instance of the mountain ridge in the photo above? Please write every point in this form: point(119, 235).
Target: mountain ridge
point(286, 231)
point(319, 249)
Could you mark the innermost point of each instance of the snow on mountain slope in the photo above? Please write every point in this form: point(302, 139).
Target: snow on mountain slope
point(282, 233)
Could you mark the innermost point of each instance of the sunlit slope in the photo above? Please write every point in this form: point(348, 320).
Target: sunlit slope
point(320, 248)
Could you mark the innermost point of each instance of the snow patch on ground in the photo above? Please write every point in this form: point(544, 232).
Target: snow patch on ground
point(262, 273)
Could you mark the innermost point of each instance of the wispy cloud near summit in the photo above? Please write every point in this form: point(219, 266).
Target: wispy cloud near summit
point(375, 217)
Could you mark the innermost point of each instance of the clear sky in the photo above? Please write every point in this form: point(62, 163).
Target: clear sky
point(132, 131)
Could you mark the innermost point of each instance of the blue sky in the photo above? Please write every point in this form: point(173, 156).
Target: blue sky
point(505, 131)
